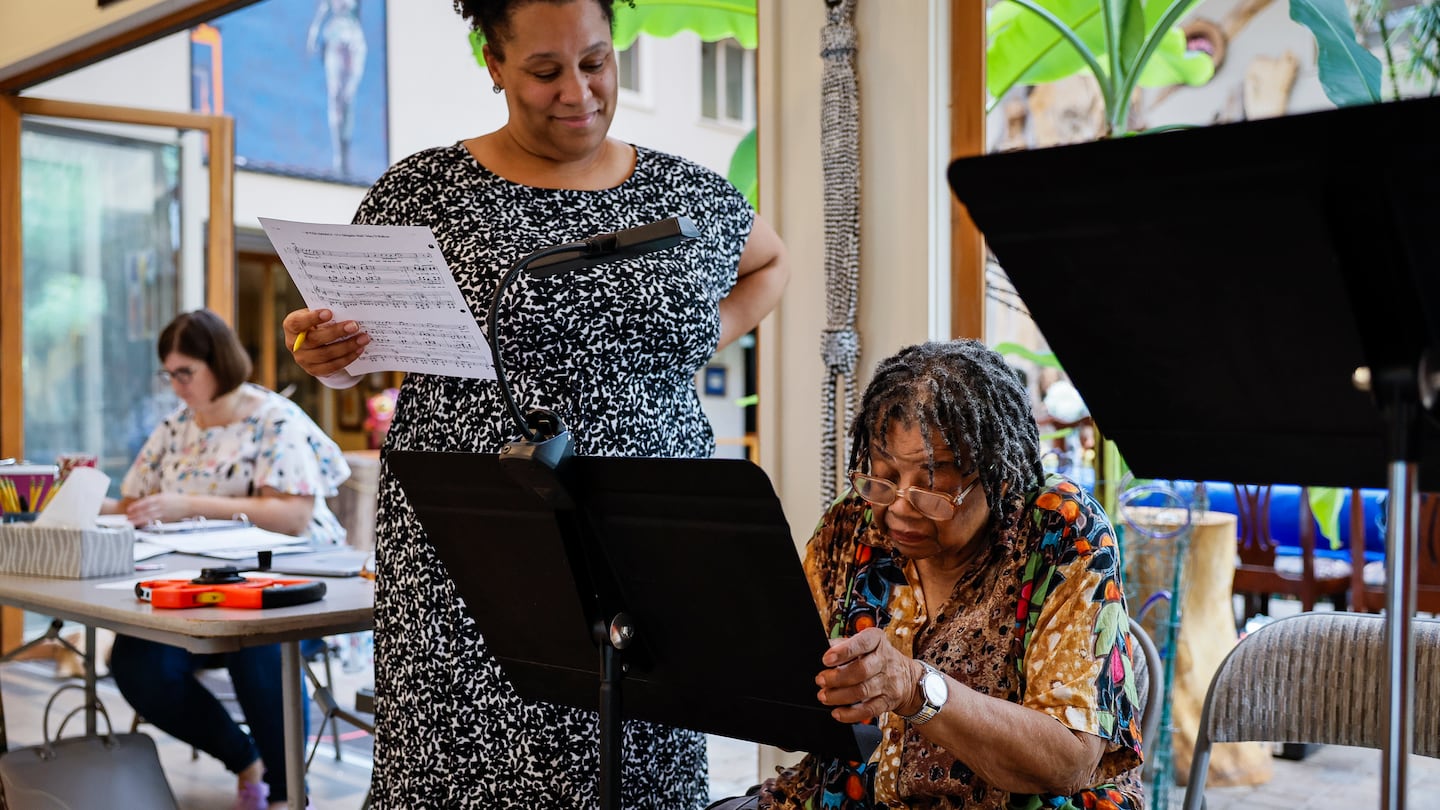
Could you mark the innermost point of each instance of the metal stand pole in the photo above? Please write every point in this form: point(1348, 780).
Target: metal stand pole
point(1398, 393)
point(614, 638)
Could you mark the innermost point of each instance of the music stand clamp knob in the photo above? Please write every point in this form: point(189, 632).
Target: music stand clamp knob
point(1360, 378)
point(622, 631)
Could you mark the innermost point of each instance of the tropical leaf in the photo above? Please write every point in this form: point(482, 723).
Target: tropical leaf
point(1349, 74)
point(711, 19)
point(1173, 63)
point(1023, 48)
point(1046, 360)
point(1325, 503)
point(743, 173)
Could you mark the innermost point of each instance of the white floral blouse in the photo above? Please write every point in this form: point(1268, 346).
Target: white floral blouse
point(277, 446)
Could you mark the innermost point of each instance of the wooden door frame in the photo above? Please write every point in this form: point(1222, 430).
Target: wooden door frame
point(967, 138)
point(220, 229)
point(220, 250)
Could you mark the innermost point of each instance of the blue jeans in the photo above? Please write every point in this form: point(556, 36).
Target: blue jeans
point(159, 681)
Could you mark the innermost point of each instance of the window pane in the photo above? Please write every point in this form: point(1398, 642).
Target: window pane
point(101, 230)
point(734, 81)
point(709, 104)
point(628, 64)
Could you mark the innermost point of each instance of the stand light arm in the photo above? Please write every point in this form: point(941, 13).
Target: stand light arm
point(580, 248)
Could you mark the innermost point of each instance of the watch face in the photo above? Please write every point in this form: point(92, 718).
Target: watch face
point(935, 688)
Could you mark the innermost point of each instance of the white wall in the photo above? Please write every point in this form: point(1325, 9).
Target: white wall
point(665, 114)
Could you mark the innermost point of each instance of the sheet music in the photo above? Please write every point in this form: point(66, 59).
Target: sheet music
point(392, 280)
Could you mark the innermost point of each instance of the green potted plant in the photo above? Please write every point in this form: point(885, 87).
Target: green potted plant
point(1125, 44)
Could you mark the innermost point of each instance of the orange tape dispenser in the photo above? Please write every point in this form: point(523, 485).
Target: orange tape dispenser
point(224, 587)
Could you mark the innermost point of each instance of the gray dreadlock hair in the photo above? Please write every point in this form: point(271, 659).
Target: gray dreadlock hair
point(975, 401)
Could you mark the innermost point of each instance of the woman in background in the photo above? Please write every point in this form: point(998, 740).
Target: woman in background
point(231, 448)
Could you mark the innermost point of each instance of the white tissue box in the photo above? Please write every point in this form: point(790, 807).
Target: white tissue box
point(51, 551)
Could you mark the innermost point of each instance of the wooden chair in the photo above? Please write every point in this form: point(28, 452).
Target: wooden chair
point(1256, 574)
point(1367, 589)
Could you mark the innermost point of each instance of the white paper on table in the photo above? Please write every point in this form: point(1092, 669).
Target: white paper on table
point(144, 550)
point(77, 504)
point(394, 281)
point(250, 538)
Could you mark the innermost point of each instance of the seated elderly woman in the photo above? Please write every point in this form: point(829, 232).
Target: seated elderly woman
point(975, 608)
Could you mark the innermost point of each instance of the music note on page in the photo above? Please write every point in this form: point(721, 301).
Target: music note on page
point(394, 281)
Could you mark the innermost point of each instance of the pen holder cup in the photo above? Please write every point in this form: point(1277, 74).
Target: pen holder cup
point(19, 517)
point(28, 479)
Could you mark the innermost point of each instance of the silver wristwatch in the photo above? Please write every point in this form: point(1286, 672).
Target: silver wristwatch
point(934, 690)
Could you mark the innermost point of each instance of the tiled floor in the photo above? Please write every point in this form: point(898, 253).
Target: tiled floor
point(1328, 777)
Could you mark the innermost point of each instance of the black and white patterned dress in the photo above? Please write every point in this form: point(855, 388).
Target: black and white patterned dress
point(613, 350)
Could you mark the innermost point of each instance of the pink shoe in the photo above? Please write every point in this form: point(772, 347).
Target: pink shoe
point(251, 796)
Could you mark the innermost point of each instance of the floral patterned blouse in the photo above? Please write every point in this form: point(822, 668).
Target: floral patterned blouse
point(1038, 619)
point(276, 446)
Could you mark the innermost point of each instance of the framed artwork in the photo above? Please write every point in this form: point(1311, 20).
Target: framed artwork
point(714, 381)
point(305, 81)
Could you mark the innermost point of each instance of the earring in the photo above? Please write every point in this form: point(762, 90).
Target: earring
point(498, 89)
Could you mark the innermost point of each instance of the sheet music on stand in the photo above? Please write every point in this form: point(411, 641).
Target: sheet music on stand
point(394, 281)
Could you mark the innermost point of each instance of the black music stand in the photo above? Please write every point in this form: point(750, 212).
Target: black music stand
point(1212, 292)
point(693, 555)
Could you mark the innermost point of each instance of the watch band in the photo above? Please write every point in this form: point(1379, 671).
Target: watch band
point(928, 708)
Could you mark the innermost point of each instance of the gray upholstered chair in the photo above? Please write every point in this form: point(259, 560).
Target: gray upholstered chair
point(1150, 672)
point(1312, 678)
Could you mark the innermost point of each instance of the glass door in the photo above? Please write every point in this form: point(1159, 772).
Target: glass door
point(123, 222)
point(112, 221)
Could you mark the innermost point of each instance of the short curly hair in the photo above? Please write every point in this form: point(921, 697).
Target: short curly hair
point(492, 17)
point(965, 395)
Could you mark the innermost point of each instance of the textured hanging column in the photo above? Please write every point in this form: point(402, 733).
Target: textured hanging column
point(840, 155)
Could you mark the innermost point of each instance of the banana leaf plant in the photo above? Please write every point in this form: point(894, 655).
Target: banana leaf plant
point(1349, 73)
point(1124, 43)
point(711, 20)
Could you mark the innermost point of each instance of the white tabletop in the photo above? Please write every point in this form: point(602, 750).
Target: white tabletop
point(347, 607)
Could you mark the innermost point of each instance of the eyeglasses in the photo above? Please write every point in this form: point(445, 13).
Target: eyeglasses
point(928, 502)
point(182, 375)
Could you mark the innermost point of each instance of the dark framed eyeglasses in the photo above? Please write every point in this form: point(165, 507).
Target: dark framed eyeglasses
point(928, 502)
point(182, 375)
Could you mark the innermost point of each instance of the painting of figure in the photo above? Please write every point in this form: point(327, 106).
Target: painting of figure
point(305, 82)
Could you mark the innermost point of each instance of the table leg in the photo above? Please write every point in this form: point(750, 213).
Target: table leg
point(90, 698)
point(294, 724)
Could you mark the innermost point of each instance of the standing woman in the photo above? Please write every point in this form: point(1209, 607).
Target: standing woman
point(231, 448)
point(612, 349)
